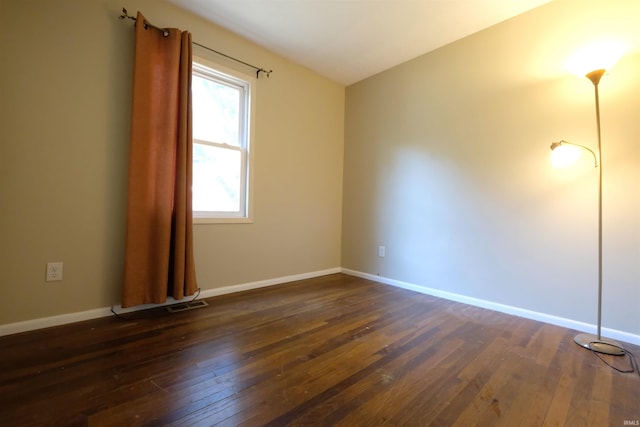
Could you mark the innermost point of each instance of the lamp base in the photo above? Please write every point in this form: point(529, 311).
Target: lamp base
point(601, 345)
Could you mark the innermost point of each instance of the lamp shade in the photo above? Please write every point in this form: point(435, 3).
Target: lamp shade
point(596, 56)
point(564, 155)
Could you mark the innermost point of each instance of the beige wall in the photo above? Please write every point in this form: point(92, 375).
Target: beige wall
point(447, 165)
point(65, 93)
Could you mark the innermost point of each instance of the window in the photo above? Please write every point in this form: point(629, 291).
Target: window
point(221, 144)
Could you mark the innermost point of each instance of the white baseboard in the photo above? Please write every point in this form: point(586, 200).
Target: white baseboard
point(516, 311)
point(269, 282)
point(47, 322)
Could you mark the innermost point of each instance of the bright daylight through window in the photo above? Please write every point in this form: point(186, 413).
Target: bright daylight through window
point(221, 131)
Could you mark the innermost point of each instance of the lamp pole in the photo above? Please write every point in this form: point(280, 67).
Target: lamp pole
point(595, 77)
point(597, 343)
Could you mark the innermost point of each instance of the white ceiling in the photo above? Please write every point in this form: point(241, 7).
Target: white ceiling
point(349, 40)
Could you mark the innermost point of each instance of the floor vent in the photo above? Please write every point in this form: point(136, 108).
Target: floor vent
point(184, 306)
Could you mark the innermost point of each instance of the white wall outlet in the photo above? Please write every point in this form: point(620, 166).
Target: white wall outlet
point(54, 271)
point(382, 251)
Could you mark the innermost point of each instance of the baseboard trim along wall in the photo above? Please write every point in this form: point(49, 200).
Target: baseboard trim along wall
point(47, 322)
point(516, 311)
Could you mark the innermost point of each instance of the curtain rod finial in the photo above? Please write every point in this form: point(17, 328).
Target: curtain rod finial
point(262, 70)
point(125, 14)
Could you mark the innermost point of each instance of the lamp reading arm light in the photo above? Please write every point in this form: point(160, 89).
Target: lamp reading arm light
point(558, 144)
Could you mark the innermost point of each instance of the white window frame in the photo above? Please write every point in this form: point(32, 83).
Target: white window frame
point(206, 68)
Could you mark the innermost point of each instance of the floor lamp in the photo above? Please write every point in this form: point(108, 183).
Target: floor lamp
point(564, 153)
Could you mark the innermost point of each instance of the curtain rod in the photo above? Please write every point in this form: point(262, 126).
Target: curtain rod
point(259, 70)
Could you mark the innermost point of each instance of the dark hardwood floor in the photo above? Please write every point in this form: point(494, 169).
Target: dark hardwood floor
point(335, 350)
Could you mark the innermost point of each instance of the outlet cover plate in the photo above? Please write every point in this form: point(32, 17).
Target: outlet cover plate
point(54, 271)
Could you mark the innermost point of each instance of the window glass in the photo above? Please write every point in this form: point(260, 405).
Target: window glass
point(216, 178)
point(216, 111)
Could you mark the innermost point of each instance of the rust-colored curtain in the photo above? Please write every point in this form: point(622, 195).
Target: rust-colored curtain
point(159, 243)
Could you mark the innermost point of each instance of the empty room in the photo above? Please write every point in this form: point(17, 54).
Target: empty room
point(319, 212)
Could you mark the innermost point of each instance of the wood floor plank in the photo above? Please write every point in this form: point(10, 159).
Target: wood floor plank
point(377, 400)
point(334, 350)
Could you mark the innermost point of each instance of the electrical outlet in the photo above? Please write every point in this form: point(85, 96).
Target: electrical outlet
point(54, 271)
point(382, 251)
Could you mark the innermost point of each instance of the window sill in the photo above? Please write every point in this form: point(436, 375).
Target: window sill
point(197, 221)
